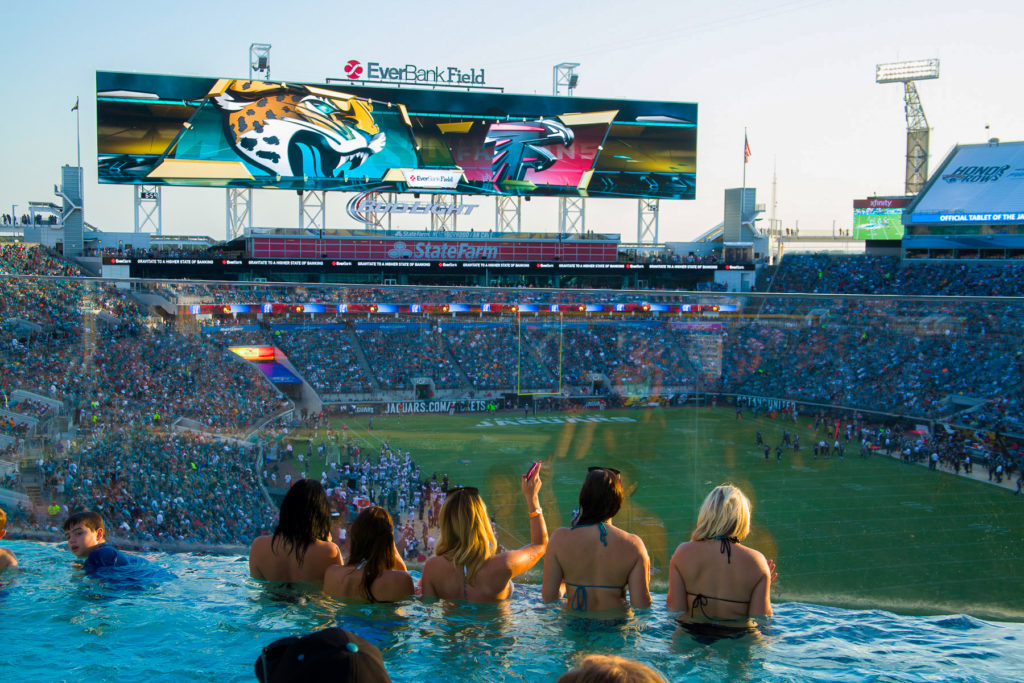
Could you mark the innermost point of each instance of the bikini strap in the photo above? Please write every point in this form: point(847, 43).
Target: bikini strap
point(699, 600)
point(601, 527)
point(726, 545)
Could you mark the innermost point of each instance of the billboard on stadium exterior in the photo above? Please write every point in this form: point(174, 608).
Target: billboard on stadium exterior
point(979, 184)
point(879, 218)
point(209, 132)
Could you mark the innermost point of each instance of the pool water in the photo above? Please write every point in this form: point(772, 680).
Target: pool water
point(209, 623)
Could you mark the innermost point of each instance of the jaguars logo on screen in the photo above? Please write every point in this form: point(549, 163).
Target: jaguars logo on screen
point(298, 131)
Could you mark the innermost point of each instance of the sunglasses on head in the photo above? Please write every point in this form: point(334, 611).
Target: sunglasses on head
point(468, 489)
point(606, 469)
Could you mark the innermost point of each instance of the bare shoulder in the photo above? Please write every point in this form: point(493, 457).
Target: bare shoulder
point(753, 557)
point(7, 559)
point(399, 583)
point(636, 542)
point(683, 550)
point(333, 574)
point(326, 552)
point(260, 547)
point(434, 565)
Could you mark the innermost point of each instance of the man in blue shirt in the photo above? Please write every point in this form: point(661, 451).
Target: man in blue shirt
point(86, 538)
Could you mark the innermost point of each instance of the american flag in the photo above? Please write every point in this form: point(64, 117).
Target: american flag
point(746, 149)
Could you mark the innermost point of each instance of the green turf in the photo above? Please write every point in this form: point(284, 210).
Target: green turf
point(872, 533)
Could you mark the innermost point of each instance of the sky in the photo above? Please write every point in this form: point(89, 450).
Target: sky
point(797, 75)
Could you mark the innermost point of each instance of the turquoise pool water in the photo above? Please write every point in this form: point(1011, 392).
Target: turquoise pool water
point(209, 623)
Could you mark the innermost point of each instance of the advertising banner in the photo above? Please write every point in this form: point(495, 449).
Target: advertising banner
point(434, 249)
point(977, 184)
point(178, 130)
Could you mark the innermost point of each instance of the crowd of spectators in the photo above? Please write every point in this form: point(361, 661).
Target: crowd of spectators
point(326, 357)
point(867, 274)
point(493, 356)
point(628, 354)
point(399, 353)
point(162, 487)
point(898, 357)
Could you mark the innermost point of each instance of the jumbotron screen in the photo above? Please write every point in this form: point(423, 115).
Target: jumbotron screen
point(879, 218)
point(178, 130)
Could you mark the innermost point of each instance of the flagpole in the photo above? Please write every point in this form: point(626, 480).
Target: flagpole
point(78, 132)
point(744, 163)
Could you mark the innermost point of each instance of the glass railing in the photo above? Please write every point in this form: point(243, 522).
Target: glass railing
point(871, 433)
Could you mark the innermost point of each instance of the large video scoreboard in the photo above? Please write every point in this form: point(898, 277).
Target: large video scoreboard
point(177, 130)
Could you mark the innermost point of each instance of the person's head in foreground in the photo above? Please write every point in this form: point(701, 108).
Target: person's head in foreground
point(331, 655)
point(305, 518)
point(373, 543)
point(611, 669)
point(600, 497)
point(724, 514)
point(84, 532)
point(466, 536)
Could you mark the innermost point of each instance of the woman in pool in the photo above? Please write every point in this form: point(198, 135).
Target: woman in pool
point(375, 571)
point(714, 577)
point(465, 566)
point(596, 561)
point(301, 548)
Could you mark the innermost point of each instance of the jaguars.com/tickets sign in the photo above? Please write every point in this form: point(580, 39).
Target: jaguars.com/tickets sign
point(209, 132)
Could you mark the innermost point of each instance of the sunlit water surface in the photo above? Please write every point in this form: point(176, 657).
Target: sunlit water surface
point(200, 618)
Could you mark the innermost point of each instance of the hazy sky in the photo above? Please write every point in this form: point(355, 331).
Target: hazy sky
point(799, 75)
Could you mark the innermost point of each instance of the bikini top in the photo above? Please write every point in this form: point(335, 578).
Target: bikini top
point(579, 597)
point(699, 599)
point(727, 542)
point(601, 527)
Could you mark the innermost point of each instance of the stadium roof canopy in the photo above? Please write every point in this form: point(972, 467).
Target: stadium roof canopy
point(975, 184)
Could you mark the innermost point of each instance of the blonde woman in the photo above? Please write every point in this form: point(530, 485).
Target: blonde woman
point(714, 577)
point(465, 566)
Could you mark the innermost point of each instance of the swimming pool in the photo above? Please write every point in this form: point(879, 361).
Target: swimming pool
point(209, 623)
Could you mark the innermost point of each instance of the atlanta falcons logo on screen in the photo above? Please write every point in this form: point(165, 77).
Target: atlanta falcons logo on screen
point(520, 145)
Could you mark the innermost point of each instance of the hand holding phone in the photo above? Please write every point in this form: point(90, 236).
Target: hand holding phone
point(533, 469)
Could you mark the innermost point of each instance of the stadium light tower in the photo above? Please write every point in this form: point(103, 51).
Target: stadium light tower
point(917, 125)
point(259, 59)
point(564, 74)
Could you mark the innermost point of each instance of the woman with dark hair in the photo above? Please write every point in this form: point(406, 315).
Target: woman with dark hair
point(466, 564)
point(375, 571)
point(594, 560)
point(301, 548)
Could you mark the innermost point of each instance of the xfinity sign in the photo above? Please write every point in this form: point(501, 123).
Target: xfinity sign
point(411, 73)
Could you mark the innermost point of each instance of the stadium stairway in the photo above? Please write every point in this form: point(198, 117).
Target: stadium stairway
point(467, 386)
point(363, 363)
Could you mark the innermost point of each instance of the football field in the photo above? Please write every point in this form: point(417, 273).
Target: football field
point(857, 532)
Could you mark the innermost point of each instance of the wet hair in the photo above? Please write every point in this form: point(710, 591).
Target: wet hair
point(3, 519)
point(725, 512)
point(611, 669)
point(87, 518)
point(305, 518)
point(600, 497)
point(466, 536)
point(372, 540)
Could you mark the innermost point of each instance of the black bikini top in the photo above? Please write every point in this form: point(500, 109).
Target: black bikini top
point(727, 542)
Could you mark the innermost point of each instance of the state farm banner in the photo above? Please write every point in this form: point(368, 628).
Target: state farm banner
point(436, 250)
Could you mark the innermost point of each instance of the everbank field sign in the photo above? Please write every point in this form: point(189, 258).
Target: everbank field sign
point(411, 73)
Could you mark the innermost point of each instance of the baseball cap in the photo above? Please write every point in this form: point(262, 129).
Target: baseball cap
point(332, 654)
